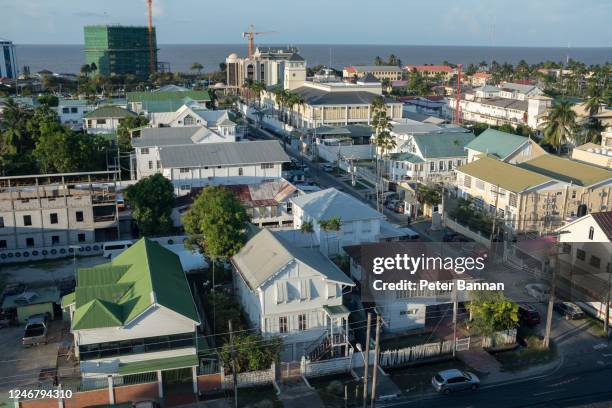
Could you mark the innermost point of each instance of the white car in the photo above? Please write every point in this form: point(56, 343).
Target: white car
point(328, 168)
point(538, 291)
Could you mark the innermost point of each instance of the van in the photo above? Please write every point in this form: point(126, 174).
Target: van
point(114, 248)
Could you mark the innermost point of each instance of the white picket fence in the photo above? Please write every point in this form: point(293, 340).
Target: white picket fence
point(499, 339)
point(393, 358)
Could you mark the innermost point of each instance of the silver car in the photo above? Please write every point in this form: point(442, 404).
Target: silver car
point(448, 381)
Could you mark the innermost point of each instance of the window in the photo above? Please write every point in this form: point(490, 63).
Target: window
point(189, 120)
point(150, 165)
point(29, 242)
point(480, 185)
point(2, 243)
point(591, 233)
point(574, 194)
point(331, 290)
point(595, 261)
point(79, 216)
point(144, 150)
point(305, 289)
point(158, 164)
point(467, 181)
point(53, 218)
point(74, 110)
point(282, 324)
point(1, 222)
point(580, 254)
point(65, 110)
point(450, 165)
point(27, 220)
point(267, 165)
point(240, 171)
point(184, 170)
point(441, 165)
point(81, 237)
point(512, 200)
point(281, 292)
point(101, 121)
point(185, 187)
point(567, 248)
point(302, 322)
point(55, 240)
point(432, 166)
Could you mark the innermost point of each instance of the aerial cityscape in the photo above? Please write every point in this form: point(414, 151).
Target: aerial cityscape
point(314, 205)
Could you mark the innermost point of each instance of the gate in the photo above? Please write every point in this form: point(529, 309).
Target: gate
point(290, 371)
point(462, 344)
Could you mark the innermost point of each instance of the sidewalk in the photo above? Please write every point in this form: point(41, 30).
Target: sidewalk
point(299, 395)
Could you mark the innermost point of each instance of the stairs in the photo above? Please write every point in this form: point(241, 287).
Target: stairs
point(321, 346)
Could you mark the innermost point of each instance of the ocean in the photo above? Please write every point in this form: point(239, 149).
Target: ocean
point(69, 58)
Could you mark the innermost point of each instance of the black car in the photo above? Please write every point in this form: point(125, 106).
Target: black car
point(528, 315)
point(570, 310)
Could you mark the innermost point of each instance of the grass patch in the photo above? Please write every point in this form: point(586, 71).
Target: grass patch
point(331, 391)
point(526, 356)
point(258, 398)
point(399, 342)
point(595, 326)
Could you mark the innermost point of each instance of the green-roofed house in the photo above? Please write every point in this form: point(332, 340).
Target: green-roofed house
point(430, 156)
point(105, 119)
point(504, 146)
point(165, 100)
point(538, 195)
point(133, 315)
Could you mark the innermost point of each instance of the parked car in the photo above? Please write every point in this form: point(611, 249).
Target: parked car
point(570, 310)
point(328, 168)
point(146, 404)
point(538, 291)
point(448, 381)
point(36, 330)
point(528, 315)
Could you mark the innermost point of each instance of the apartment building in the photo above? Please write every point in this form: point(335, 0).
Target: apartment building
point(537, 195)
point(598, 155)
point(193, 114)
point(380, 72)
point(70, 112)
point(134, 315)
point(293, 292)
point(42, 216)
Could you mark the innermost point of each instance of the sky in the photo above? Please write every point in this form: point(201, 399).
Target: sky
point(556, 23)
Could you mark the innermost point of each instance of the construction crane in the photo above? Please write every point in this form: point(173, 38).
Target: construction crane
point(457, 112)
point(152, 66)
point(251, 36)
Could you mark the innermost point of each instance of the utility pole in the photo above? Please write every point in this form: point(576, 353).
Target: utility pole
point(233, 354)
point(375, 368)
point(366, 366)
point(551, 301)
point(607, 306)
point(495, 213)
point(455, 307)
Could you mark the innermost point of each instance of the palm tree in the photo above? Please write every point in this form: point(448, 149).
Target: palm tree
point(196, 66)
point(560, 125)
point(593, 104)
point(258, 87)
point(292, 100)
point(308, 228)
point(383, 140)
point(86, 70)
point(378, 61)
point(330, 225)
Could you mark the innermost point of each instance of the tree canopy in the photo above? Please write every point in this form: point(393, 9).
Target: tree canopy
point(216, 223)
point(252, 352)
point(152, 200)
point(492, 312)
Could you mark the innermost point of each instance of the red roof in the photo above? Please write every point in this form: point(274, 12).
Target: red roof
point(430, 68)
point(604, 220)
point(350, 69)
point(481, 75)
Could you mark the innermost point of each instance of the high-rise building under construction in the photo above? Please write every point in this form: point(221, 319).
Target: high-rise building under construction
point(120, 50)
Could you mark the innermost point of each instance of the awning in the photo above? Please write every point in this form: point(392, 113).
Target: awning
point(337, 311)
point(163, 364)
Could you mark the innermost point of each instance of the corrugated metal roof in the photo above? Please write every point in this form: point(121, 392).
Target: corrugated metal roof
point(566, 170)
point(328, 203)
point(314, 96)
point(146, 366)
point(266, 254)
point(223, 154)
point(440, 145)
point(167, 95)
point(175, 136)
point(604, 220)
point(109, 111)
point(497, 143)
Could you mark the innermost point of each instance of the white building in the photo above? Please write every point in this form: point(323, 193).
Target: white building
point(193, 114)
point(105, 119)
point(428, 156)
point(359, 222)
point(149, 141)
point(70, 112)
point(8, 60)
point(134, 315)
point(200, 165)
point(293, 292)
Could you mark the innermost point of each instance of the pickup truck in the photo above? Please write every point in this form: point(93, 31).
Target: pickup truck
point(35, 330)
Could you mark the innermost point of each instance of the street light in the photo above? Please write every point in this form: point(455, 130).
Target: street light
point(74, 248)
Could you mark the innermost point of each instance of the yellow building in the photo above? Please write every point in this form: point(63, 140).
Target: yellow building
point(380, 72)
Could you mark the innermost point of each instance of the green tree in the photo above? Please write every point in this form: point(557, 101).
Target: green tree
point(86, 70)
point(50, 100)
point(330, 225)
point(560, 125)
point(152, 200)
point(595, 101)
point(216, 223)
point(251, 352)
point(196, 66)
point(308, 228)
point(126, 125)
point(491, 312)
